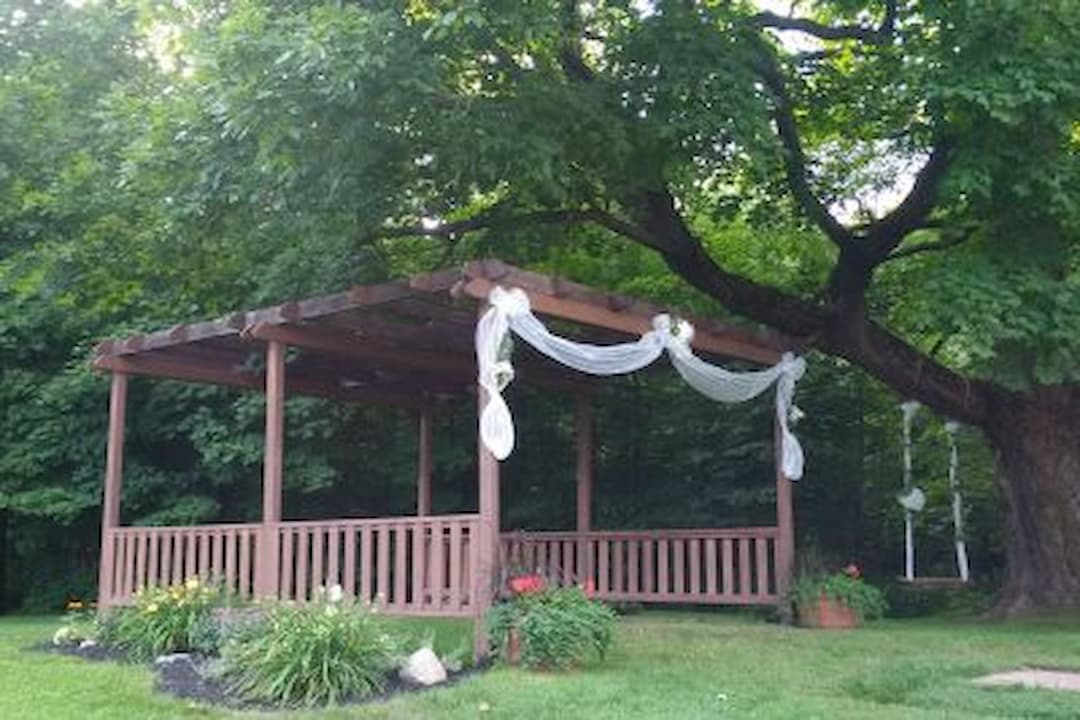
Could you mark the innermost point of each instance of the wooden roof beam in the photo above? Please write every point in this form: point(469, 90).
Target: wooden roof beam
point(562, 299)
point(359, 348)
point(295, 384)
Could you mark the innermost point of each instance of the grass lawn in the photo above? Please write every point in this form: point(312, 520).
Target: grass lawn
point(666, 665)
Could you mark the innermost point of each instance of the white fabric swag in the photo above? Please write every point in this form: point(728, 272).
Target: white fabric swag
point(510, 310)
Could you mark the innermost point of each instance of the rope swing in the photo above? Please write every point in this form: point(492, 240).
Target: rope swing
point(913, 499)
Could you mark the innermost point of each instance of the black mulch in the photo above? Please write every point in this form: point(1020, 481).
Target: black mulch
point(189, 678)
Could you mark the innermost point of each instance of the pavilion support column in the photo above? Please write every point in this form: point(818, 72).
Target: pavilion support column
point(266, 566)
point(785, 525)
point(486, 568)
point(114, 474)
point(583, 432)
point(423, 463)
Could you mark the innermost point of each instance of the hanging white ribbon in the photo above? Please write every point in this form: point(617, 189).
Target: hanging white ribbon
point(510, 310)
point(962, 567)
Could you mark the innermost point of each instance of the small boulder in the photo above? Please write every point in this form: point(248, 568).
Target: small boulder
point(87, 645)
point(173, 659)
point(423, 668)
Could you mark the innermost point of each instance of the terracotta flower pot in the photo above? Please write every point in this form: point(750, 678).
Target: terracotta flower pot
point(828, 613)
point(513, 646)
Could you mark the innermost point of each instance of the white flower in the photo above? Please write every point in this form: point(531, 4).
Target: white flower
point(336, 594)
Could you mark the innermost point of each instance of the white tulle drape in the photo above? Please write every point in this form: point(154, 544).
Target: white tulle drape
point(510, 311)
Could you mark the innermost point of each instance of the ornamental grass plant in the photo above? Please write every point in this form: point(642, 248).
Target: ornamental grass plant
point(164, 620)
point(325, 652)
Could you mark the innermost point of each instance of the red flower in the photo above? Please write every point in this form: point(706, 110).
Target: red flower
point(852, 571)
point(526, 584)
point(590, 588)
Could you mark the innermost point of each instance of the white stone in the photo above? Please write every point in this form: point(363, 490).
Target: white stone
point(87, 644)
point(173, 658)
point(423, 668)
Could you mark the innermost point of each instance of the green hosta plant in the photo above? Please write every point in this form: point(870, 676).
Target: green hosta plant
point(164, 620)
point(324, 652)
point(558, 627)
point(846, 586)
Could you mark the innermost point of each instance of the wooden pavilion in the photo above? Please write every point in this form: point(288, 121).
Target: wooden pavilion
point(409, 343)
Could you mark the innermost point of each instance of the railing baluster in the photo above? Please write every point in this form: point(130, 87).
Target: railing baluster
point(382, 590)
point(350, 562)
point(744, 567)
point(455, 565)
point(288, 564)
point(302, 564)
point(710, 567)
point(695, 566)
point(400, 565)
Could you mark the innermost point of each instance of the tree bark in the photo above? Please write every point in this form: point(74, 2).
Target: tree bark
point(1036, 436)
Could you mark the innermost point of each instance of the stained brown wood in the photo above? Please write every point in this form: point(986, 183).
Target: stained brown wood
point(266, 574)
point(382, 570)
point(114, 472)
point(424, 462)
point(418, 544)
point(333, 555)
point(603, 585)
point(438, 563)
point(728, 565)
point(400, 564)
point(367, 557)
point(288, 564)
point(663, 581)
point(744, 567)
point(455, 564)
point(318, 579)
point(761, 553)
point(695, 566)
point(710, 567)
point(784, 549)
point(349, 582)
point(486, 569)
point(244, 584)
point(303, 553)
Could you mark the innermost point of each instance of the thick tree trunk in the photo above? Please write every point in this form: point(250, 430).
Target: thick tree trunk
point(1036, 437)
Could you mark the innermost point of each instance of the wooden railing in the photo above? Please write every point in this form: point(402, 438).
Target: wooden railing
point(405, 565)
point(734, 566)
point(135, 557)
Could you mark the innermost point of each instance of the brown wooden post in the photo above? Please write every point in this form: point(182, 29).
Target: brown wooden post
point(785, 525)
point(266, 562)
point(583, 431)
point(423, 463)
point(114, 477)
point(485, 572)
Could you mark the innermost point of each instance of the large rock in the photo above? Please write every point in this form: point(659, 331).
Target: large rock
point(423, 668)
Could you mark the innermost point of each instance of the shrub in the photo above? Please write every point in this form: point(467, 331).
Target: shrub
point(559, 627)
point(164, 620)
point(846, 586)
point(323, 652)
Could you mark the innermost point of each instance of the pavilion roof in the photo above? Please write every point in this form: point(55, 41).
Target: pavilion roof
point(405, 341)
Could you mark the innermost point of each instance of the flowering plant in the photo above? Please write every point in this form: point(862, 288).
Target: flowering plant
point(845, 586)
point(557, 627)
point(164, 620)
point(527, 584)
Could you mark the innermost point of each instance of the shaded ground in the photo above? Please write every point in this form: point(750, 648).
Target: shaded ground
point(666, 665)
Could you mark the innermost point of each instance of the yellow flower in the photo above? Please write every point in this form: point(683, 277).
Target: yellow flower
point(152, 608)
point(75, 605)
point(191, 583)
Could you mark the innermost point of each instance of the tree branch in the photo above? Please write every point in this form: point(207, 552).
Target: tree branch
point(795, 164)
point(934, 246)
point(880, 35)
point(494, 220)
point(883, 236)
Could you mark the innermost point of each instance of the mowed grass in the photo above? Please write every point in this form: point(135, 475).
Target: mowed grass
point(666, 665)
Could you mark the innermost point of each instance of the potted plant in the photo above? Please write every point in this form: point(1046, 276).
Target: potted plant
point(837, 600)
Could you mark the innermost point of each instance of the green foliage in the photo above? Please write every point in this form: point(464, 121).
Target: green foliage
point(867, 601)
point(164, 620)
point(320, 653)
point(559, 627)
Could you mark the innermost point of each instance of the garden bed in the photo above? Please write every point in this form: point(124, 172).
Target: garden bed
point(191, 677)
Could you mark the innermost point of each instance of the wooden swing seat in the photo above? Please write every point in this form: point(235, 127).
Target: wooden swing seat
point(935, 582)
